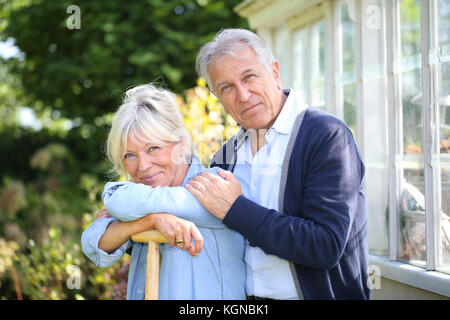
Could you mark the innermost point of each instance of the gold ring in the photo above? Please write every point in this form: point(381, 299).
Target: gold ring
point(178, 241)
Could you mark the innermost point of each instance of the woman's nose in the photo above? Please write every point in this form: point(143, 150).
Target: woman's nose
point(145, 162)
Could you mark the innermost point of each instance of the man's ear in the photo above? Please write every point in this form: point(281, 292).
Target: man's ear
point(276, 73)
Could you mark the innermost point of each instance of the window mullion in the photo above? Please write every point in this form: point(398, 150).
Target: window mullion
point(330, 63)
point(338, 60)
point(394, 96)
point(308, 66)
point(430, 106)
point(359, 75)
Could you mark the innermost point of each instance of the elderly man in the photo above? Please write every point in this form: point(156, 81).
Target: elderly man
point(295, 181)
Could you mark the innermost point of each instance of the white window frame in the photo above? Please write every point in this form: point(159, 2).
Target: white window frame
point(306, 20)
point(425, 278)
point(298, 14)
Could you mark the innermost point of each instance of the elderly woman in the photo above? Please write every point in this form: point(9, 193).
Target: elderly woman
point(149, 146)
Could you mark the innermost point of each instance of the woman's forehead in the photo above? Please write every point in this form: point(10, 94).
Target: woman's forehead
point(140, 140)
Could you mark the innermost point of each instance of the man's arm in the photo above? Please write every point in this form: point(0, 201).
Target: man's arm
point(329, 205)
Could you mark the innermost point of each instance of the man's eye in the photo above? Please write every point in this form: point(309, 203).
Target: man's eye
point(225, 88)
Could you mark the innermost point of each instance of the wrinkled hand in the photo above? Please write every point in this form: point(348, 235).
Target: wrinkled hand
point(217, 195)
point(102, 214)
point(174, 228)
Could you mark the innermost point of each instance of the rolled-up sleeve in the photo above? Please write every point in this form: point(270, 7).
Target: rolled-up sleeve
point(89, 243)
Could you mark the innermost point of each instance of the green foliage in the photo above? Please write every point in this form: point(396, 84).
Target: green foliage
point(43, 220)
point(56, 270)
point(82, 73)
point(205, 119)
point(52, 175)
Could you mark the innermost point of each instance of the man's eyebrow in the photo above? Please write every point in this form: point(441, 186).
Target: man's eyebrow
point(218, 85)
point(247, 71)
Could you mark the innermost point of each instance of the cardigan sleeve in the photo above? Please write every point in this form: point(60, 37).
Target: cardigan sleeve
point(323, 186)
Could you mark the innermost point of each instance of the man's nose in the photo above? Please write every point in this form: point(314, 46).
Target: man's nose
point(243, 92)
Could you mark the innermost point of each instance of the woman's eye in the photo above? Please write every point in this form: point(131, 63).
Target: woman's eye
point(128, 155)
point(154, 148)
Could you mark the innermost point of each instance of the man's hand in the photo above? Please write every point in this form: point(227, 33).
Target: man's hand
point(174, 228)
point(217, 195)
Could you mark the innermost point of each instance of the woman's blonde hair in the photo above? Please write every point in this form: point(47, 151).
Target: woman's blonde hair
point(147, 114)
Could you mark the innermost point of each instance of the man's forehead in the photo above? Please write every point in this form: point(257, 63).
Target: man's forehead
point(245, 62)
point(240, 52)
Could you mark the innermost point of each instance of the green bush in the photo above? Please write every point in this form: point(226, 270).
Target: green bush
point(42, 219)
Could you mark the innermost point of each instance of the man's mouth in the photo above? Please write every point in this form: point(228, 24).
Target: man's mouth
point(250, 108)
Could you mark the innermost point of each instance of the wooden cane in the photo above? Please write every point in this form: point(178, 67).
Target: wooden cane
point(152, 238)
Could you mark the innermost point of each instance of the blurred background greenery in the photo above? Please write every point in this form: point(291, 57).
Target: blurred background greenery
point(57, 95)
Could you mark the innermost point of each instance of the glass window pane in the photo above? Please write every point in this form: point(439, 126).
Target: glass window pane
point(444, 128)
point(348, 78)
point(281, 36)
point(412, 240)
point(318, 65)
point(300, 59)
point(374, 125)
point(350, 106)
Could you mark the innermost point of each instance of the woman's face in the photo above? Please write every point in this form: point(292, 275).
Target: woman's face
point(155, 164)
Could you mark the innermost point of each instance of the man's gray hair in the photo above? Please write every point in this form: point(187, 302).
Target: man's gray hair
point(226, 42)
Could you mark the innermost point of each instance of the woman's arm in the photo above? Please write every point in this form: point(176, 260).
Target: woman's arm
point(118, 232)
point(91, 238)
point(128, 201)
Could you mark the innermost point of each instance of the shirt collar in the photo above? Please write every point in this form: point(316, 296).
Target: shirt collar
point(291, 108)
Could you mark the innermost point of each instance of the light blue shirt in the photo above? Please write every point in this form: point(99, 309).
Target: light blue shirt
point(267, 275)
point(218, 272)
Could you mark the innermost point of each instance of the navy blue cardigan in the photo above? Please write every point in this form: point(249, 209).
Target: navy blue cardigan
point(321, 229)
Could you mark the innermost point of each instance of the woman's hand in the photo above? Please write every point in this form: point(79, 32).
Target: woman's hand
point(176, 229)
point(102, 214)
point(170, 226)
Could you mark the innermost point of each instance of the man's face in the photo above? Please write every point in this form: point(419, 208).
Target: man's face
point(249, 92)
